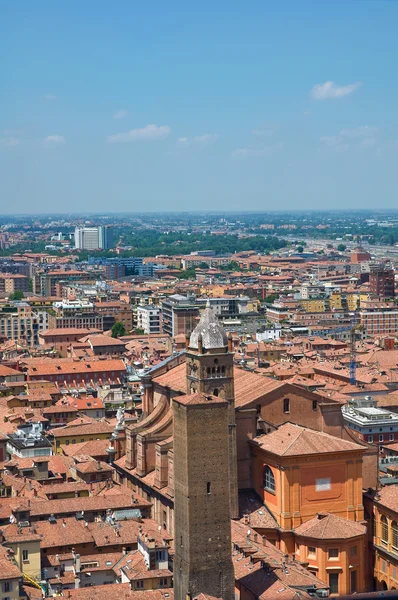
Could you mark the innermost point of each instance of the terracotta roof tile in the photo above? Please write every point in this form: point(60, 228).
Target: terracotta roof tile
point(291, 440)
point(326, 526)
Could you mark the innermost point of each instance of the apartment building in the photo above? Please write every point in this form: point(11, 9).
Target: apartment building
point(148, 318)
point(44, 283)
point(75, 314)
point(179, 315)
point(379, 319)
point(22, 324)
point(13, 282)
point(370, 423)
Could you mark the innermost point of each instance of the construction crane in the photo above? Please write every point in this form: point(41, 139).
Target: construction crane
point(353, 353)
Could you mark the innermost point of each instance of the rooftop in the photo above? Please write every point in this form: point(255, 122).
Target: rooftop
point(291, 440)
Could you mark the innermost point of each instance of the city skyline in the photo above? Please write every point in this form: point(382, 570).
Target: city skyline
point(178, 108)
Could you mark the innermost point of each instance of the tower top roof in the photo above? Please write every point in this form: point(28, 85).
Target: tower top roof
point(208, 331)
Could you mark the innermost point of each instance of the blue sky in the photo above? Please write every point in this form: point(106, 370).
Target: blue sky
point(260, 105)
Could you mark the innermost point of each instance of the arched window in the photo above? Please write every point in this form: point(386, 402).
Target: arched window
point(215, 392)
point(223, 370)
point(384, 529)
point(269, 480)
point(286, 405)
point(394, 531)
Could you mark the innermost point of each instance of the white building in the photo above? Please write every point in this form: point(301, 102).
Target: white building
point(94, 238)
point(148, 318)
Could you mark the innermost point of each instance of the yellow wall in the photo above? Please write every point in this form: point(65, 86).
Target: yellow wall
point(76, 439)
point(14, 593)
point(32, 566)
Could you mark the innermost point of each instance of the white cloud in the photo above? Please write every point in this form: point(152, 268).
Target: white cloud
point(360, 132)
point(206, 138)
point(259, 150)
point(55, 139)
point(50, 97)
point(120, 114)
point(150, 132)
point(364, 136)
point(327, 90)
point(9, 141)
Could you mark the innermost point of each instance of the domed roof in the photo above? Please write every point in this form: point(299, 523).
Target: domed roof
point(210, 330)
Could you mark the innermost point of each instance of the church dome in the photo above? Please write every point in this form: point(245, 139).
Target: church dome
point(209, 329)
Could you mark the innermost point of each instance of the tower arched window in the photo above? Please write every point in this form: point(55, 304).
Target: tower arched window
point(223, 369)
point(394, 531)
point(269, 479)
point(215, 392)
point(286, 405)
point(384, 529)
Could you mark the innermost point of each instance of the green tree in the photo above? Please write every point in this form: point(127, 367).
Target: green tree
point(300, 249)
point(341, 247)
point(17, 295)
point(118, 330)
point(139, 331)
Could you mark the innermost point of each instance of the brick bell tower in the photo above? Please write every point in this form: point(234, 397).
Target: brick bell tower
point(209, 369)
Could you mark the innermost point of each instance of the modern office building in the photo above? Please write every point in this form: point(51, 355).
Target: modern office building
point(94, 238)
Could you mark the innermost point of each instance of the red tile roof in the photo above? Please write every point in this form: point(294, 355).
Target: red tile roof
point(330, 527)
point(292, 440)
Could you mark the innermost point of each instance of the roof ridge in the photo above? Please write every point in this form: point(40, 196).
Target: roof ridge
point(295, 440)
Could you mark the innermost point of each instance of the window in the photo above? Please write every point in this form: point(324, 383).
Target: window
point(163, 582)
point(314, 404)
point(7, 586)
point(25, 555)
point(384, 530)
point(370, 439)
point(391, 437)
point(67, 442)
point(384, 566)
point(394, 530)
point(354, 551)
point(311, 552)
point(208, 487)
point(269, 480)
point(139, 584)
point(286, 405)
point(334, 583)
point(333, 553)
point(381, 438)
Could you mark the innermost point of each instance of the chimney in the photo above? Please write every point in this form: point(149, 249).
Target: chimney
point(246, 519)
point(77, 583)
point(187, 341)
point(35, 493)
point(99, 465)
point(77, 563)
point(255, 537)
point(264, 538)
point(124, 550)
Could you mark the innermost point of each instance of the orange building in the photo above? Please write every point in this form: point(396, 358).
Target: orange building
point(383, 506)
point(312, 484)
